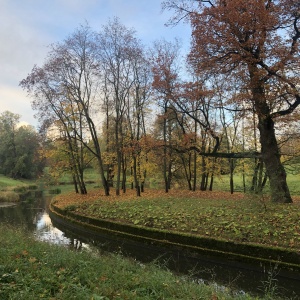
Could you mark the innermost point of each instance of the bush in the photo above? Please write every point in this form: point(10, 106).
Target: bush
point(20, 189)
point(9, 196)
point(32, 187)
point(55, 191)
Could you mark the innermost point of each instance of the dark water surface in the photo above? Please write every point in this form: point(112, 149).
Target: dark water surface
point(34, 216)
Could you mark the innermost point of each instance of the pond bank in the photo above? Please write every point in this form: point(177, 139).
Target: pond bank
point(31, 270)
point(191, 250)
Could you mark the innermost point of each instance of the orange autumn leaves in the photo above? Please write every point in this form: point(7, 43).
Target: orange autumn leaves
point(238, 217)
point(72, 198)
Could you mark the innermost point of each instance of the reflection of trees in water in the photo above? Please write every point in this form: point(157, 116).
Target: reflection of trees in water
point(26, 215)
point(33, 216)
point(19, 216)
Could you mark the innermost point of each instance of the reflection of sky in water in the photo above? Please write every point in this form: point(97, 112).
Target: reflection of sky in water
point(46, 232)
point(34, 217)
point(6, 204)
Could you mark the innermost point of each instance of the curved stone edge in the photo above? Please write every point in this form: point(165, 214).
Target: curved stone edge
point(240, 252)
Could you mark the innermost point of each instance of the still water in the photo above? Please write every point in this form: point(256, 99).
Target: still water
point(34, 217)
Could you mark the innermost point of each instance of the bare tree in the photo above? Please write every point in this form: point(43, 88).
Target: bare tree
point(117, 49)
point(66, 87)
point(165, 68)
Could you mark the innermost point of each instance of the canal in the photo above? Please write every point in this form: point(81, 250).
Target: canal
point(34, 217)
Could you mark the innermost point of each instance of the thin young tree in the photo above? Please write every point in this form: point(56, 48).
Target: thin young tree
point(66, 87)
point(165, 69)
point(117, 50)
point(138, 101)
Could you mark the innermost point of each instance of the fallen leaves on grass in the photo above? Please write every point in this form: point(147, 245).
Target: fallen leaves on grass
point(64, 200)
point(237, 217)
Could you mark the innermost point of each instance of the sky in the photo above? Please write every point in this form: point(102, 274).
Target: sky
point(28, 27)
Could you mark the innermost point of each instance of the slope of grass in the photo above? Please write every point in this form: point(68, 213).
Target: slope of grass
point(237, 217)
point(36, 270)
point(11, 189)
point(6, 182)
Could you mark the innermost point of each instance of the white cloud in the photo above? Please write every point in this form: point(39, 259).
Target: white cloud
point(14, 100)
point(20, 45)
point(27, 27)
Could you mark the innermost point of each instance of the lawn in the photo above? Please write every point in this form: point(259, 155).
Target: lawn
point(36, 270)
point(10, 189)
point(238, 217)
point(6, 182)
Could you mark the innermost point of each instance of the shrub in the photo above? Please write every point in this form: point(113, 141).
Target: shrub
point(55, 191)
point(32, 187)
point(9, 196)
point(20, 189)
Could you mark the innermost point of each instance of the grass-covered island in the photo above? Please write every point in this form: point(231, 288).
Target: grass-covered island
point(254, 228)
point(239, 218)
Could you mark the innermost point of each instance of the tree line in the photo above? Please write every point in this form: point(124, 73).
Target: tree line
point(134, 110)
point(20, 148)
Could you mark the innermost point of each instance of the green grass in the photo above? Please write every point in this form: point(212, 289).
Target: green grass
point(7, 183)
point(10, 189)
point(221, 183)
point(242, 219)
point(64, 182)
point(90, 175)
point(293, 183)
point(9, 196)
point(36, 270)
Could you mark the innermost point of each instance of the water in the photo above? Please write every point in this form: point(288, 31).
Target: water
point(34, 216)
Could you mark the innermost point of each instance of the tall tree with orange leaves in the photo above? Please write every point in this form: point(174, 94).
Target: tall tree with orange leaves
point(257, 40)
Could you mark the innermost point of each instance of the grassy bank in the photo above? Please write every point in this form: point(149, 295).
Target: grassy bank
point(8, 183)
point(36, 270)
point(11, 190)
point(238, 217)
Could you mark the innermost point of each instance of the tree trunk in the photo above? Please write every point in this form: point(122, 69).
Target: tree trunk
point(169, 178)
point(187, 170)
point(255, 176)
point(212, 175)
point(231, 175)
point(203, 175)
point(244, 178)
point(124, 169)
point(271, 157)
point(195, 172)
point(135, 176)
point(75, 184)
point(269, 147)
point(211, 182)
point(260, 178)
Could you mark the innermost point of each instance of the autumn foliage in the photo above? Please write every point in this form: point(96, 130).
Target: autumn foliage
point(237, 217)
point(152, 116)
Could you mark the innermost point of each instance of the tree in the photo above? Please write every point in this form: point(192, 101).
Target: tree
point(196, 102)
point(19, 148)
point(55, 110)
point(257, 40)
point(30, 160)
point(8, 152)
point(65, 89)
point(118, 50)
point(138, 100)
point(165, 59)
point(80, 71)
